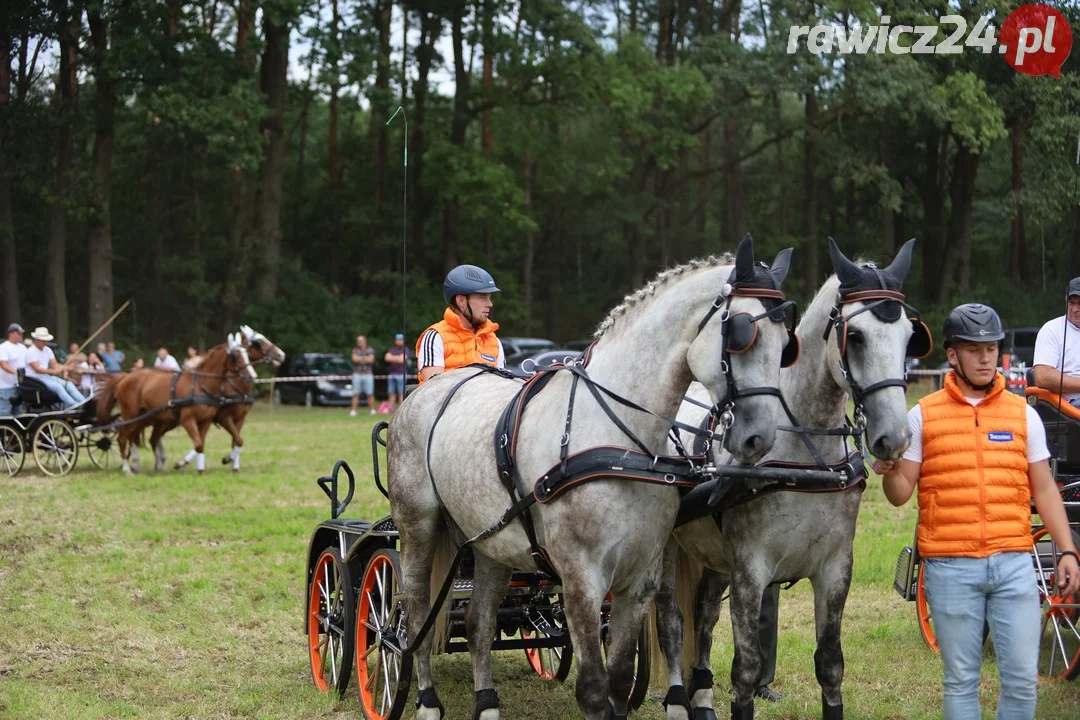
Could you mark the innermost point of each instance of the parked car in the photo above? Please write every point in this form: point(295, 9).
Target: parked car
point(579, 345)
point(528, 365)
point(1019, 343)
point(318, 390)
point(517, 349)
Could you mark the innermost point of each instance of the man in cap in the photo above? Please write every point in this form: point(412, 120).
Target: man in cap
point(12, 360)
point(1057, 350)
point(466, 333)
point(397, 357)
point(42, 366)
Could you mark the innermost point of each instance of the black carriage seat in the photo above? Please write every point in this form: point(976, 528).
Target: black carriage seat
point(36, 397)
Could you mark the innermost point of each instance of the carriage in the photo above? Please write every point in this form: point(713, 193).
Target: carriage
point(1059, 648)
point(54, 436)
point(354, 611)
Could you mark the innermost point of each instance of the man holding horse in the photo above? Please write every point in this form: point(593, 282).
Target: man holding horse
point(978, 457)
point(466, 333)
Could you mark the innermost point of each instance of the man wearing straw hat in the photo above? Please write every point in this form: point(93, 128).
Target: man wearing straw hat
point(42, 366)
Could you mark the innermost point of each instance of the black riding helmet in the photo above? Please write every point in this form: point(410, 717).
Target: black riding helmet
point(466, 280)
point(972, 322)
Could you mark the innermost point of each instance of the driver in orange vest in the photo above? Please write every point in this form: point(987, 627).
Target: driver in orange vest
point(465, 335)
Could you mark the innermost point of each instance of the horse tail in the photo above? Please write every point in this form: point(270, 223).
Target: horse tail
point(440, 565)
point(105, 399)
point(688, 574)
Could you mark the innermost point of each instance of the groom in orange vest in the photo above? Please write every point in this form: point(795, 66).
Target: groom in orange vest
point(465, 335)
point(977, 458)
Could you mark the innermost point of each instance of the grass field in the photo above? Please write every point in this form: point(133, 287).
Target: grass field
point(171, 595)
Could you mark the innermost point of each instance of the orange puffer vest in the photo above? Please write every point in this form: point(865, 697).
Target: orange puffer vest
point(974, 493)
point(462, 345)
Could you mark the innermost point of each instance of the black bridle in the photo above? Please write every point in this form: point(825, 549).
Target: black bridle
point(839, 322)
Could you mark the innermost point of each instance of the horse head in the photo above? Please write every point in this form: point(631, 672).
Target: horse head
point(873, 332)
point(737, 355)
point(260, 347)
point(239, 353)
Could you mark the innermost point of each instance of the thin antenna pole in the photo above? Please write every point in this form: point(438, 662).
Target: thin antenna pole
point(404, 245)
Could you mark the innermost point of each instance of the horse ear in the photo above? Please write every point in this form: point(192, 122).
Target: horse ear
point(744, 260)
point(248, 332)
point(781, 265)
point(901, 264)
point(847, 271)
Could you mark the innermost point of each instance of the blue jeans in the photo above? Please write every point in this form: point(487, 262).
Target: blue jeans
point(65, 390)
point(395, 383)
point(1000, 591)
point(5, 400)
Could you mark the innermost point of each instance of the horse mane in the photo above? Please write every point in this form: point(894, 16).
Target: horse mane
point(637, 297)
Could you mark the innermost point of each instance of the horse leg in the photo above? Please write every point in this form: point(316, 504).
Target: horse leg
point(831, 587)
point(747, 586)
point(122, 441)
point(583, 593)
point(191, 427)
point(629, 609)
point(490, 580)
point(158, 446)
point(669, 627)
point(419, 538)
point(204, 429)
point(229, 426)
point(709, 602)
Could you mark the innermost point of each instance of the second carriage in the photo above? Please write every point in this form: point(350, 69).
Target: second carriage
point(53, 436)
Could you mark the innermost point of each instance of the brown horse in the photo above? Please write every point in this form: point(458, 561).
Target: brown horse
point(187, 399)
point(233, 412)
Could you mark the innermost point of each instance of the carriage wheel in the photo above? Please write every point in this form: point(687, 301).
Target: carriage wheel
point(383, 669)
point(102, 450)
point(1059, 642)
point(922, 608)
point(549, 663)
point(55, 447)
point(12, 451)
point(330, 618)
point(640, 688)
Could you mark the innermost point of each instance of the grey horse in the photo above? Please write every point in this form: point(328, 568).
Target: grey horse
point(604, 535)
point(784, 536)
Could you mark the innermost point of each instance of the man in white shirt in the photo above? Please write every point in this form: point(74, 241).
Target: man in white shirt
point(42, 366)
point(165, 361)
point(1056, 364)
point(12, 360)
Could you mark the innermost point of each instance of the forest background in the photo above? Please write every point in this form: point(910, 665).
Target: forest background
point(229, 161)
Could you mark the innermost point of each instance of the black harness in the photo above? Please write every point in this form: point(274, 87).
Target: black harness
point(606, 462)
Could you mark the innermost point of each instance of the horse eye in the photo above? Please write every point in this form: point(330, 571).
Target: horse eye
point(855, 337)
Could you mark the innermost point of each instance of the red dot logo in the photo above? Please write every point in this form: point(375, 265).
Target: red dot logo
point(1036, 40)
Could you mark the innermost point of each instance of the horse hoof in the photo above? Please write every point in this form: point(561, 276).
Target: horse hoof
point(178, 465)
point(201, 472)
point(226, 460)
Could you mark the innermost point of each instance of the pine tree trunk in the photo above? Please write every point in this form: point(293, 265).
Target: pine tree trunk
point(811, 276)
point(275, 62)
point(99, 224)
point(9, 276)
point(487, 132)
point(430, 30)
point(1019, 268)
point(56, 305)
point(458, 126)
